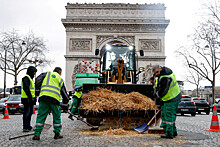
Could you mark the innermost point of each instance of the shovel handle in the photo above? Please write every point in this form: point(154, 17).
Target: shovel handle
point(29, 134)
point(79, 119)
point(153, 117)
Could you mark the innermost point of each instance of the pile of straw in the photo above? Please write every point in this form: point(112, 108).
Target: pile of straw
point(111, 131)
point(104, 99)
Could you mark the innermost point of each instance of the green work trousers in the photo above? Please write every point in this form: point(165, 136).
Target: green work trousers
point(168, 116)
point(75, 105)
point(44, 109)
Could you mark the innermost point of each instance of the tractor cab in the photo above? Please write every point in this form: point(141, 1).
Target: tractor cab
point(118, 63)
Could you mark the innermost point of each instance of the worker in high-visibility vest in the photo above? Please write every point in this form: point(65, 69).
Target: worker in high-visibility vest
point(28, 98)
point(52, 88)
point(168, 91)
point(77, 100)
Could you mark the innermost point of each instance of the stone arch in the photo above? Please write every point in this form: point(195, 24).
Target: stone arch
point(112, 39)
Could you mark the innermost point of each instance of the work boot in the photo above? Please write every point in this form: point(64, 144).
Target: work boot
point(26, 130)
point(30, 128)
point(175, 134)
point(36, 137)
point(167, 135)
point(70, 117)
point(57, 135)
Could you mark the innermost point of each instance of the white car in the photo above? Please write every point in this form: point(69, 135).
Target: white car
point(2, 103)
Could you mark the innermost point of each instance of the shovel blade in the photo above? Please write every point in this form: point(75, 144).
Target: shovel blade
point(142, 128)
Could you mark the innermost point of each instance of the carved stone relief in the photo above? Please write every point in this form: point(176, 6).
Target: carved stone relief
point(80, 44)
point(129, 39)
point(147, 74)
point(150, 44)
point(102, 39)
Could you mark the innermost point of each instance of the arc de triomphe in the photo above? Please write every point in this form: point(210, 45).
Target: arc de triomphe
point(91, 26)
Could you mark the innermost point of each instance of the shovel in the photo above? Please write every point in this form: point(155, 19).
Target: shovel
point(46, 127)
point(93, 127)
point(144, 127)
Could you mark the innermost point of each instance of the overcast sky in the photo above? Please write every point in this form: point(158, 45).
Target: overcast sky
point(43, 17)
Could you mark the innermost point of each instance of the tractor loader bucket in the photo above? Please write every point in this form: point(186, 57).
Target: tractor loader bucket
point(126, 119)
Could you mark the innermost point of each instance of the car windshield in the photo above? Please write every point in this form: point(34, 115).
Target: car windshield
point(14, 98)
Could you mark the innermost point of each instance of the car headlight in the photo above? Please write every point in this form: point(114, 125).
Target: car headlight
point(21, 105)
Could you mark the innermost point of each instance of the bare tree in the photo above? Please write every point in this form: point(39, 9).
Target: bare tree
point(203, 54)
point(194, 78)
point(19, 51)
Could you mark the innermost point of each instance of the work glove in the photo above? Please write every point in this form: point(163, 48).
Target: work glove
point(64, 107)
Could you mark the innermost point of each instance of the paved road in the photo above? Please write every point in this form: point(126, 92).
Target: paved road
point(191, 133)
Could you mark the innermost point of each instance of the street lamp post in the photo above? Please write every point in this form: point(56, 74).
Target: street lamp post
point(5, 73)
point(35, 61)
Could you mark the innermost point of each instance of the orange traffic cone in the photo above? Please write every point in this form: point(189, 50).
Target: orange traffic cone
point(6, 116)
point(214, 123)
point(33, 110)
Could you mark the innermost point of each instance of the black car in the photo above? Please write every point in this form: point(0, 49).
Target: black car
point(187, 106)
point(14, 104)
point(202, 105)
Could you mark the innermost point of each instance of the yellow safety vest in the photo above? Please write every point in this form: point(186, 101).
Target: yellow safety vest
point(51, 85)
point(174, 89)
point(78, 94)
point(31, 87)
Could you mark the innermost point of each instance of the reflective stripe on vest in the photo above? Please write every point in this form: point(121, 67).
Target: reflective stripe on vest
point(155, 82)
point(174, 89)
point(78, 94)
point(31, 87)
point(51, 85)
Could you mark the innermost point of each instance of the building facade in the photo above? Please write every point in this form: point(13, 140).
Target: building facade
point(91, 26)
